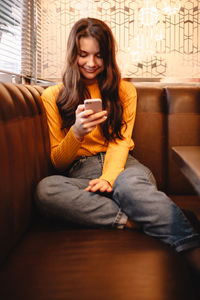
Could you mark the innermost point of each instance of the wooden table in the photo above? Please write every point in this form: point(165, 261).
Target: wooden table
point(188, 159)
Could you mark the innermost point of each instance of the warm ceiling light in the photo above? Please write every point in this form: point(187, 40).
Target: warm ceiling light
point(170, 7)
point(148, 16)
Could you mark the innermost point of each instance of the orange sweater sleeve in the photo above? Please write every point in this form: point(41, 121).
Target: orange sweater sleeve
point(64, 146)
point(117, 152)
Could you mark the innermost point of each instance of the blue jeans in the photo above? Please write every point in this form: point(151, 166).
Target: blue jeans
point(135, 196)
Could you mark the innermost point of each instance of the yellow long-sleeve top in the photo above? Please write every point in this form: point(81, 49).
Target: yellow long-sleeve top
point(65, 148)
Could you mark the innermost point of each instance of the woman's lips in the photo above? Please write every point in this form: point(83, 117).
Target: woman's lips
point(90, 70)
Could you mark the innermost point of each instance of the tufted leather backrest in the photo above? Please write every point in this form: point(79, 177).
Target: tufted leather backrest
point(24, 158)
point(166, 116)
point(183, 130)
point(149, 134)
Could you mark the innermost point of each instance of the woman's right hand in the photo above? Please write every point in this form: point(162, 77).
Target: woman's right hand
point(86, 121)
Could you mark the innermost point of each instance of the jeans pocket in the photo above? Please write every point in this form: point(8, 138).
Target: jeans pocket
point(75, 167)
point(88, 167)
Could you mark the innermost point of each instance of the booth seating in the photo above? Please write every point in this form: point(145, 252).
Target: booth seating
point(45, 260)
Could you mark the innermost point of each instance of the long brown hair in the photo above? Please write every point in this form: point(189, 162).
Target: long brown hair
point(74, 90)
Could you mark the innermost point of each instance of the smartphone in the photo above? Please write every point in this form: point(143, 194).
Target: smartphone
point(94, 104)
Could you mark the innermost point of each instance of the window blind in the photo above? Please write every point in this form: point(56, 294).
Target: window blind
point(10, 35)
point(18, 36)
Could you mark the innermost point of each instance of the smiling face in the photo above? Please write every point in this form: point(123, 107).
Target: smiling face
point(90, 61)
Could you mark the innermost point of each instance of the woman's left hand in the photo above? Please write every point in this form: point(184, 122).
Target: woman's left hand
point(99, 185)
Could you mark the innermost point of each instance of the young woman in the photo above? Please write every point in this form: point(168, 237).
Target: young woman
point(103, 185)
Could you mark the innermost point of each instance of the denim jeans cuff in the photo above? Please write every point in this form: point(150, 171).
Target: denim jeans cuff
point(188, 243)
point(120, 220)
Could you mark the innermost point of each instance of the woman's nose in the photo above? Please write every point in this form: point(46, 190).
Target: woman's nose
point(91, 61)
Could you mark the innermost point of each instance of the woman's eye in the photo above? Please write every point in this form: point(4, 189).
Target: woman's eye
point(82, 54)
point(99, 56)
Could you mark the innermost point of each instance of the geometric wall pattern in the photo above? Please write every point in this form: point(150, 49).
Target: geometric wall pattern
point(176, 54)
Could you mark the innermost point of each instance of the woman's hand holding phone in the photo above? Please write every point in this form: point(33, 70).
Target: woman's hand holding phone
point(87, 120)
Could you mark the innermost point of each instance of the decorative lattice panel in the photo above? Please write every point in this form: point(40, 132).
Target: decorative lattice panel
point(167, 48)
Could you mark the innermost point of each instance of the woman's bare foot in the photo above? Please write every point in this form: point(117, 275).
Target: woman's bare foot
point(132, 225)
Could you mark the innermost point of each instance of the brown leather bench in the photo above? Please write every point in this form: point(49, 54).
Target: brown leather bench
point(45, 260)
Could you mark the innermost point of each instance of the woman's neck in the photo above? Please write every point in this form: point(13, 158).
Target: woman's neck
point(89, 82)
